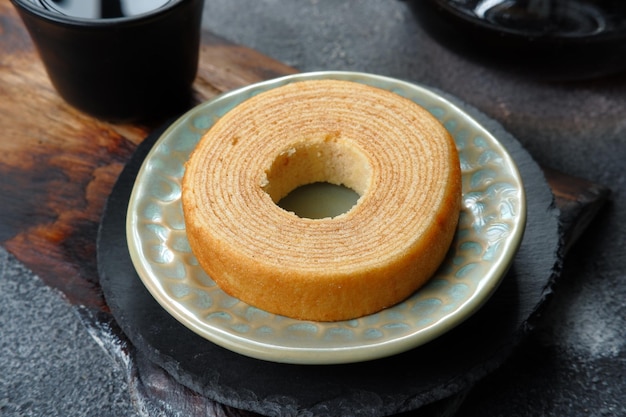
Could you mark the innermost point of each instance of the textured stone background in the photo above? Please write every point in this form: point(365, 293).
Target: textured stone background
point(575, 362)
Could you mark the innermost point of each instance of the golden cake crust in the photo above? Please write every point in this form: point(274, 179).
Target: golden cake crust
point(395, 154)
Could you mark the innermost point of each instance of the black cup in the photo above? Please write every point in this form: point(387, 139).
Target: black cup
point(120, 69)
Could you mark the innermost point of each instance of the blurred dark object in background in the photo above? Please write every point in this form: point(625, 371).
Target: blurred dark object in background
point(555, 39)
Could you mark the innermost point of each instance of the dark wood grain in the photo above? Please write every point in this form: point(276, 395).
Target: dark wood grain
point(578, 200)
point(58, 165)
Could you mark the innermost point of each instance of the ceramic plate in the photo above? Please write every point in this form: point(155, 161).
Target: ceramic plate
point(490, 230)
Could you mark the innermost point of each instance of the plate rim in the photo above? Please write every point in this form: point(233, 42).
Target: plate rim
point(331, 355)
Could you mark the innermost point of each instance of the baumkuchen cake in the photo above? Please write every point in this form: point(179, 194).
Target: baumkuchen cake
point(399, 159)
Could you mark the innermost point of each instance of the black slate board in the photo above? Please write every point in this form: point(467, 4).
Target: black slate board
point(438, 370)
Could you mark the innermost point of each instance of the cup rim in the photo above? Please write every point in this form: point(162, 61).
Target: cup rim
point(31, 7)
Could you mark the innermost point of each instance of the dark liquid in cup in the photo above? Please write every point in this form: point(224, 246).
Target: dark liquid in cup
point(102, 9)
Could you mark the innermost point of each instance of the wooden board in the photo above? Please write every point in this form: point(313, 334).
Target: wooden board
point(58, 165)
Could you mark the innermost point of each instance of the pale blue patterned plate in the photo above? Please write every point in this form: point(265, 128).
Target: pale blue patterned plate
point(489, 233)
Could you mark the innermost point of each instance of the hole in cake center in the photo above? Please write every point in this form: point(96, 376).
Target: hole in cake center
point(318, 178)
point(319, 200)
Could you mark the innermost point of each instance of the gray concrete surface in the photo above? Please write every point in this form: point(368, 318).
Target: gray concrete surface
point(49, 363)
point(575, 362)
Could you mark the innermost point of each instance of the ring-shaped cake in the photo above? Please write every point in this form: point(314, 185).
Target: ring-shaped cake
point(400, 160)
